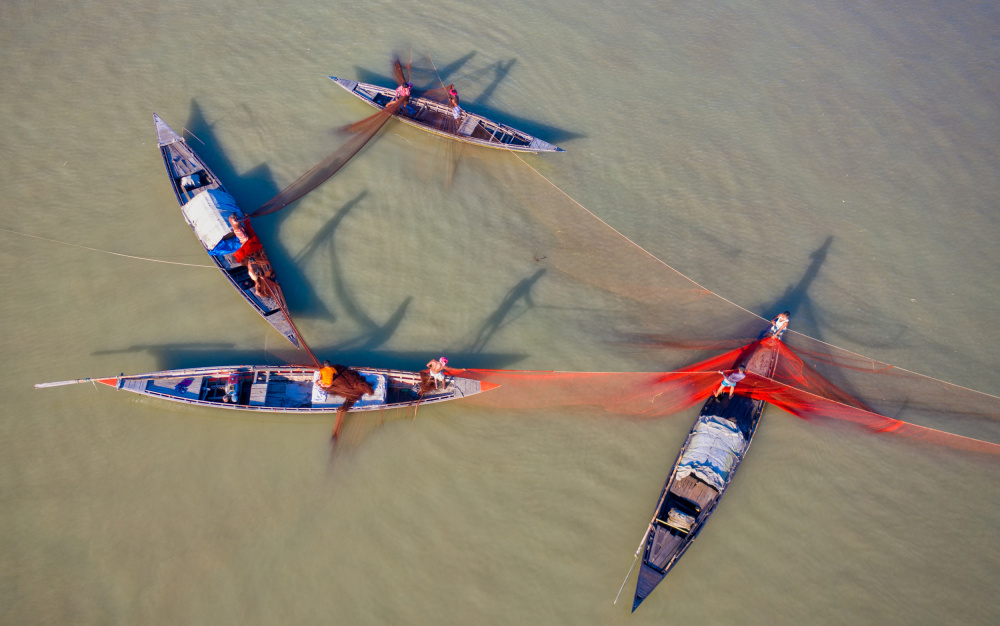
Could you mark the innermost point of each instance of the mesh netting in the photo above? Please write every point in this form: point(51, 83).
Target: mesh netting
point(813, 379)
point(361, 133)
point(795, 386)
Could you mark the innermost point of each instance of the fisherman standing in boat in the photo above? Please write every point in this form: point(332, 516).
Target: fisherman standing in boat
point(403, 95)
point(729, 380)
point(779, 325)
point(456, 111)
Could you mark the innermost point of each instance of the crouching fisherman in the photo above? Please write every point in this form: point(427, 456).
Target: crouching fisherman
point(251, 254)
point(432, 378)
point(730, 380)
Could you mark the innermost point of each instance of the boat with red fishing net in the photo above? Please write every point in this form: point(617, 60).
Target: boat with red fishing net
point(436, 117)
point(705, 466)
point(207, 207)
point(286, 388)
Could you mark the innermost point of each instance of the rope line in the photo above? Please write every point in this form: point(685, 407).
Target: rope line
point(693, 282)
point(127, 256)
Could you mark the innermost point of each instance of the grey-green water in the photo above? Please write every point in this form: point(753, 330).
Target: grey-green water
point(729, 139)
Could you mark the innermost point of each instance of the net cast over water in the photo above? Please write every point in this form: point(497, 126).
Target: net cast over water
point(666, 315)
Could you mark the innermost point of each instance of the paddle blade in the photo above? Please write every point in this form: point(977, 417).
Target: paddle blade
point(111, 382)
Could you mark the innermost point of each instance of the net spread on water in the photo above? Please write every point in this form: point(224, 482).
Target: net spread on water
point(795, 386)
point(361, 133)
point(664, 310)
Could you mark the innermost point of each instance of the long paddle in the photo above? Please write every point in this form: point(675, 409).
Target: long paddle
point(72, 382)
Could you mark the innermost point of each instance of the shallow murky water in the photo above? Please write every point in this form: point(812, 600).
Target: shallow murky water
point(734, 141)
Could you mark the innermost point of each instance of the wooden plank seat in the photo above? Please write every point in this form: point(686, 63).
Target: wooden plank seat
point(694, 490)
point(663, 547)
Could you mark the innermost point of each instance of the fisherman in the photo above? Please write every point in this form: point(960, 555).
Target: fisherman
point(326, 375)
point(456, 111)
point(350, 385)
point(251, 254)
point(403, 95)
point(729, 380)
point(437, 370)
point(779, 325)
point(433, 376)
point(238, 229)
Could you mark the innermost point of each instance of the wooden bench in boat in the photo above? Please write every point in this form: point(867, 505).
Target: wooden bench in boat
point(664, 545)
point(695, 491)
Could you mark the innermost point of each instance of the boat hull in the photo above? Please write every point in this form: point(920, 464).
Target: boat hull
point(286, 389)
point(435, 117)
point(705, 466)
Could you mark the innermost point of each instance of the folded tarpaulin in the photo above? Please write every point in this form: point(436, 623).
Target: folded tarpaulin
point(713, 451)
point(208, 213)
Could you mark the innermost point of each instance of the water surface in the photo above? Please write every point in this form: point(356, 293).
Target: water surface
point(733, 140)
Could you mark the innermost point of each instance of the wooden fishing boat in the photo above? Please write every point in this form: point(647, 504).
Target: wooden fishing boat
point(705, 466)
point(282, 388)
point(435, 117)
point(206, 205)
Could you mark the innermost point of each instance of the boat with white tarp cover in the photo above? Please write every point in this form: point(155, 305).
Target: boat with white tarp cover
point(704, 468)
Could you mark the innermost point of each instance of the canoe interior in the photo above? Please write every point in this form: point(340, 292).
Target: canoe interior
point(687, 501)
point(437, 118)
point(286, 389)
point(190, 176)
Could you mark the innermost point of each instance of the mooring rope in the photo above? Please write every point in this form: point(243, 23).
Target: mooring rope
point(127, 256)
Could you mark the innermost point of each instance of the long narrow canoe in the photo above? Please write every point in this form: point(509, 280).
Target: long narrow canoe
point(435, 117)
point(703, 470)
point(205, 205)
point(281, 388)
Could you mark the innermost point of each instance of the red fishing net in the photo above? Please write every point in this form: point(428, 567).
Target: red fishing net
point(667, 315)
point(794, 386)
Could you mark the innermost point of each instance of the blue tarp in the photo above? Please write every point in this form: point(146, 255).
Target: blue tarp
point(226, 246)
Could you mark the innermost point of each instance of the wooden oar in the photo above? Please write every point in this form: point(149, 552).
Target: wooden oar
point(76, 382)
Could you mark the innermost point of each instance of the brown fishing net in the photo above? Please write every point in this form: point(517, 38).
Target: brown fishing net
point(348, 384)
point(360, 134)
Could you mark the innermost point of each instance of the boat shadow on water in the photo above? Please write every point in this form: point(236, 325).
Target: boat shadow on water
point(362, 346)
point(466, 82)
point(251, 188)
point(170, 356)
